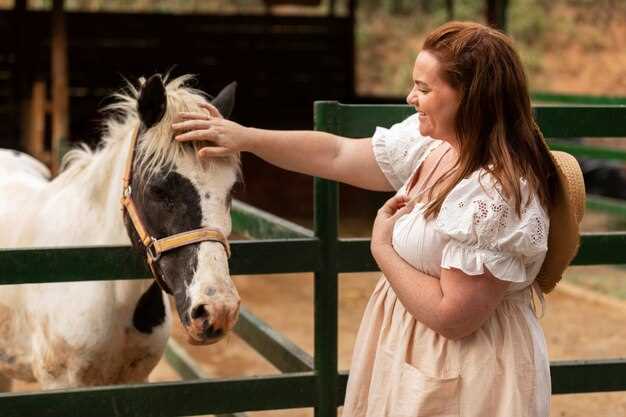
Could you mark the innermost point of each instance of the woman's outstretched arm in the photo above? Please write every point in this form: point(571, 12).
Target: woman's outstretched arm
point(309, 152)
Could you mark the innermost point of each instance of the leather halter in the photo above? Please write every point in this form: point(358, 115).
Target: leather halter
point(155, 247)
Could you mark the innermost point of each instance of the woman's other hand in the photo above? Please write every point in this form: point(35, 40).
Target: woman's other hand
point(386, 218)
point(224, 136)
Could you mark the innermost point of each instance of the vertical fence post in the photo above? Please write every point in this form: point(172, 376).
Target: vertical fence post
point(326, 229)
point(496, 13)
point(60, 84)
point(20, 71)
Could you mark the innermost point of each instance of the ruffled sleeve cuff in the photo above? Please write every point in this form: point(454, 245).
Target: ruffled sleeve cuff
point(473, 261)
point(380, 147)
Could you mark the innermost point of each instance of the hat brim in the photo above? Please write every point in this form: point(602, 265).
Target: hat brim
point(565, 215)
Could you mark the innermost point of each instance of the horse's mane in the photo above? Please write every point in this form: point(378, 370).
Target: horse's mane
point(157, 151)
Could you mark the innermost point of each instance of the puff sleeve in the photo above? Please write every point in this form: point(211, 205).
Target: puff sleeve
point(485, 232)
point(400, 149)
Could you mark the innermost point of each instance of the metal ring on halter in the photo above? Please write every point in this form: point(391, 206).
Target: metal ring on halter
point(159, 280)
point(127, 191)
point(151, 250)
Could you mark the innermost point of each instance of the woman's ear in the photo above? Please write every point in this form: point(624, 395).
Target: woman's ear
point(152, 101)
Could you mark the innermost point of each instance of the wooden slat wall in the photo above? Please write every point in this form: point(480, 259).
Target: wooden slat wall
point(282, 63)
point(8, 82)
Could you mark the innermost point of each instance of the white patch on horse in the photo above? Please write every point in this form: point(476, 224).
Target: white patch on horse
point(211, 286)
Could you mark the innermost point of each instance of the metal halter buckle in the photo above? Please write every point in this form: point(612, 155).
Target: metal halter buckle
point(151, 250)
point(127, 191)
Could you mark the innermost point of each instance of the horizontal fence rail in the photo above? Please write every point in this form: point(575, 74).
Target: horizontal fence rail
point(569, 377)
point(186, 398)
point(28, 266)
point(560, 98)
point(588, 151)
point(359, 120)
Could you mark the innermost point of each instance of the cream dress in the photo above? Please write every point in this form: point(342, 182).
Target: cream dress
point(400, 367)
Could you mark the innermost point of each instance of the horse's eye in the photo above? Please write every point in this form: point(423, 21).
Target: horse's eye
point(158, 192)
point(169, 204)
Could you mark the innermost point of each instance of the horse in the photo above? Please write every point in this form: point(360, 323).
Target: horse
point(111, 332)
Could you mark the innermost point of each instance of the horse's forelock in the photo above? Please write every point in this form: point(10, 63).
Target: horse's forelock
point(157, 151)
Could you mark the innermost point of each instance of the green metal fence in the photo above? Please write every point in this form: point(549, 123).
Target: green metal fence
point(569, 99)
point(279, 247)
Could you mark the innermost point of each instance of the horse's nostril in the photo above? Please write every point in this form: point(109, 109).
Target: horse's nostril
point(199, 312)
point(212, 332)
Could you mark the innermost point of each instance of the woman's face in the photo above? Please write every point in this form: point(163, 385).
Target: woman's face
point(434, 99)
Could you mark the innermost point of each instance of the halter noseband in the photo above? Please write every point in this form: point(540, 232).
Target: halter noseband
point(155, 247)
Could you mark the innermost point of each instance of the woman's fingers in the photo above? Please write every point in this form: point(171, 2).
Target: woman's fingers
point(185, 115)
point(203, 134)
point(191, 125)
point(195, 130)
point(397, 206)
point(402, 211)
point(214, 152)
point(395, 202)
point(213, 111)
point(391, 206)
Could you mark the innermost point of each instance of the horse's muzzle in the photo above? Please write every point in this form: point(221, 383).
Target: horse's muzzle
point(209, 323)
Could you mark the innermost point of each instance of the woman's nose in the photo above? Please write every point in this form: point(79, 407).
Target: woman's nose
point(412, 98)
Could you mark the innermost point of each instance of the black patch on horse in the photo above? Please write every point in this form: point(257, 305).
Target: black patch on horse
point(168, 204)
point(150, 310)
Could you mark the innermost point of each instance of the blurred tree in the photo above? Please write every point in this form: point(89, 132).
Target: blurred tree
point(450, 9)
point(496, 13)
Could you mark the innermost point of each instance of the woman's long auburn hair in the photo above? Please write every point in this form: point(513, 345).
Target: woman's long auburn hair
point(494, 122)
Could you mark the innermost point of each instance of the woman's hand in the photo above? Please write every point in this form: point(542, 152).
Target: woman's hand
point(386, 218)
point(226, 137)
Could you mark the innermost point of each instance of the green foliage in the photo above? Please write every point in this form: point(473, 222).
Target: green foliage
point(527, 21)
point(469, 10)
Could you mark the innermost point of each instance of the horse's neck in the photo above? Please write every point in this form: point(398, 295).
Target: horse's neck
point(82, 209)
point(84, 202)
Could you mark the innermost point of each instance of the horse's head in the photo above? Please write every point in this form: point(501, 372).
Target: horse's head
point(175, 192)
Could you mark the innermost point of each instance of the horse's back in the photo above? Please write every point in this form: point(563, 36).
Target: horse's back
point(21, 178)
point(13, 162)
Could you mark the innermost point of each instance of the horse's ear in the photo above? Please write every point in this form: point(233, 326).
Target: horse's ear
point(225, 100)
point(152, 101)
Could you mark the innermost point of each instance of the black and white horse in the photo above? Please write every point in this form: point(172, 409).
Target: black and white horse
point(108, 332)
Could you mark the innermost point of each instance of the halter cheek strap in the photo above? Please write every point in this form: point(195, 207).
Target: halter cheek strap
point(155, 247)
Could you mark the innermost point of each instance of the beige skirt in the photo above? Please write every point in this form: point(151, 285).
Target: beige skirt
point(401, 368)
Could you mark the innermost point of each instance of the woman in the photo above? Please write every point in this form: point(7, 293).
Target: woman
point(451, 328)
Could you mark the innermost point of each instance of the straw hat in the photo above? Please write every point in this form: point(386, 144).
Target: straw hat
point(565, 216)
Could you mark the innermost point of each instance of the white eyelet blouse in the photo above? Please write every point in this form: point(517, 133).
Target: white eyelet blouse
point(400, 367)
